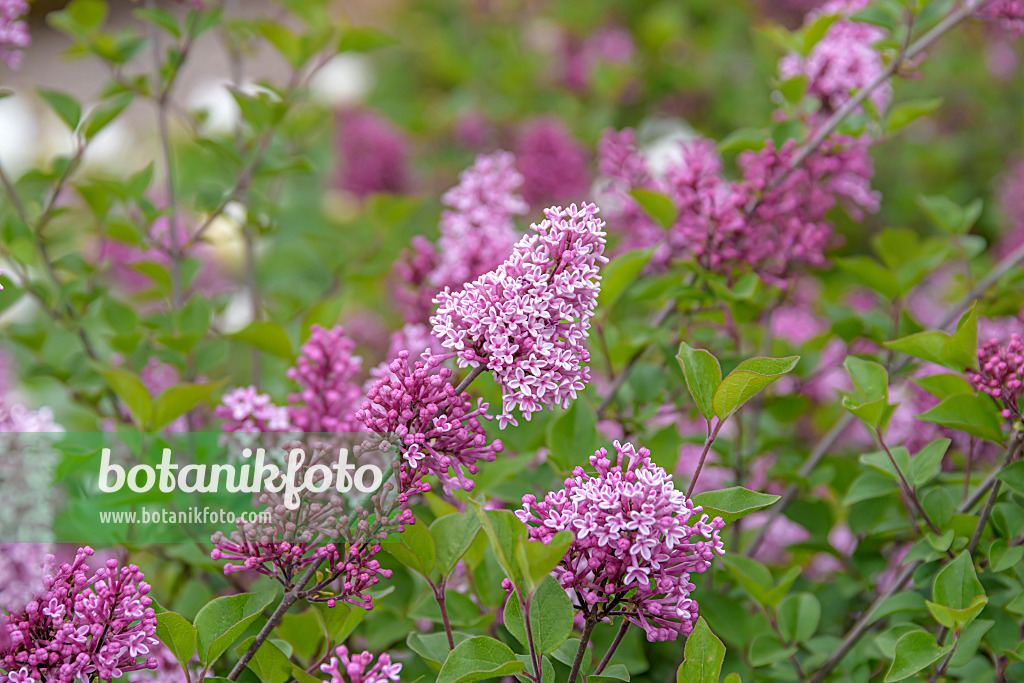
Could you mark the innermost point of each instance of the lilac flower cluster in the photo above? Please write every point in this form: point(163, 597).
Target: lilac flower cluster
point(14, 35)
point(346, 668)
point(635, 545)
point(318, 531)
point(1001, 374)
point(1010, 196)
point(477, 232)
point(327, 371)
point(843, 61)
point(771, 221)
point(245, 409)
point(437, 429)
point(374, 155)
point(553, 164)
point(527, 321)
point(1009, 14)
point(82, 626)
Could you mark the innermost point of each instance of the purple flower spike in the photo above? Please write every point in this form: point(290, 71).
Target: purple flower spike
point(82, 626)
point(637, 540)
point(327, 371)
point(527, 321)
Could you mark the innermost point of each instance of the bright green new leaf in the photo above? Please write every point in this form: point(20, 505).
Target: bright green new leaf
point(703, 374)
point(658, 206)
point(957, 585)
point(537, 559)
point(702, 656)
point(551, 615)
point(749, 377)
point(477, 659)
point(798, 617)
point(223, 620)
point(970, 413)
point(618, 275)
point(957, 618)
point(176, 401)
point(414, 548)
point(268, 337)
point(177, 635)
point(452, 535)
point(733, 503)
point(914, 651)
point(132, 392)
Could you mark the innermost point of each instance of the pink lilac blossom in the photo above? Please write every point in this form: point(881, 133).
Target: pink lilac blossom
point(14, 35)
point(21, 574)
point(245, 409)
point(82, 626)
point(553, 164)
point(326, 370)
point(527, 321)
point(287, 541)
point(1000, 374)
point(843, 61)
point(437, 430)
point(346, 668)
point(1008, 13)
point(414, 338)
point(772, 221)
point(637, 541)
point(413, 288)
point(478, 228)
point(374, 155)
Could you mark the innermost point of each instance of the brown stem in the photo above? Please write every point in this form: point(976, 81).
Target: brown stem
point(439, 596)
point(290, 598)
point(614, 646)
point(534, 655)
point(712, 435)
point(577, 663)
point(907, 488)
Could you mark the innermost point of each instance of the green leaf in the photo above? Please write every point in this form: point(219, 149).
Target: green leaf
point(766, 649)
point(949, 216)
point(743, 139)
point(702, 656)
point(176, 401)
point(943, 386)
point(869, 485)
point(817, 30)
point(914, 651)
point(957, 618)
point(132, 392)
point(615, 672)
point(703, 374)
point(177, 635)
point(926, 464)
point(749, 377)
point(733, 503)
point(504, 530)
point(961, 351)
point(414, 548)
point(160, 17)
point(868, 272)
point(433, 647)
point(551, 615)
point(572, 436)
point(452, 536)
point(536, 559)
point(619, 274)
point(478, 659)
point(798, 617)
point(969, 413)
point(223, 620)
point(904, 113)
point(266, 336)
point(957, 585)
point(1013, 476)
point(65, 106)
point(364, 39)
point(100, 117)
point(271, 664)
point(658, 206)
point(928, 346)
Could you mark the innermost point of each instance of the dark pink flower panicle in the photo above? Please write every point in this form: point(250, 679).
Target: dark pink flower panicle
point(414, 290)
point(437, 430)
point(14, 35)
point(1008, 13)
point(373, 154)
point(1001, 374)
point(527, 321)
point(326, 370)
point(554, 165)
point(82, 625)
point(346, 668)
point(637, 541)
point(843, 61)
